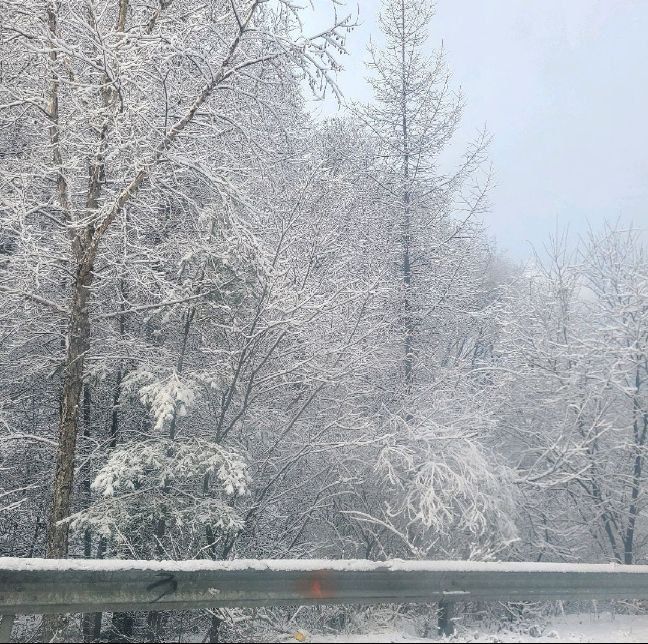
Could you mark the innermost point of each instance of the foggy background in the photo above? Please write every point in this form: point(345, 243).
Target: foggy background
point(561, 86)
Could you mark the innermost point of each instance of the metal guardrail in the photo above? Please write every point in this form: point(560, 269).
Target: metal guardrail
point(45, 586)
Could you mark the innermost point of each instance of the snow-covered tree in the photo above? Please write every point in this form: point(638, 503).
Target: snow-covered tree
point(113, 102)
point(574, 348)
point(433, 457)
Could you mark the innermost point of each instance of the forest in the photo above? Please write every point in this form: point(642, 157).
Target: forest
point(230, 328)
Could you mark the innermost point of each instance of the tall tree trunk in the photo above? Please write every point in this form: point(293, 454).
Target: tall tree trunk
point(640, 430)
point(78, 342)
point(406, 222)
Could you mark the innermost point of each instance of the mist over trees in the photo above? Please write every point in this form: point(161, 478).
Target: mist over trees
point(230, 329)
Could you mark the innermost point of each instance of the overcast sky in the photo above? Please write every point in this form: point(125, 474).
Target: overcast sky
point(562, 85)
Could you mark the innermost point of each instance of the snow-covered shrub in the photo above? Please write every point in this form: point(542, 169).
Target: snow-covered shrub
point(187, 483)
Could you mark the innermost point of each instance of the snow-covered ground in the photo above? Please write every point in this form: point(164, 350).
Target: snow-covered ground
point(570, 628)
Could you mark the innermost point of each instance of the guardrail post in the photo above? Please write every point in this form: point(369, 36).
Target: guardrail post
point(446, 612)
point(6, 626)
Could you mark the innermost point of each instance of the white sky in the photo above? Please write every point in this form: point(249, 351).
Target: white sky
point(562, 85)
